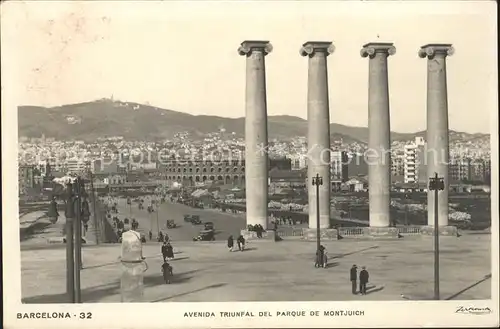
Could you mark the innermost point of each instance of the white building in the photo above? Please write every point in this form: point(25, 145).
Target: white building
point(411, 160)
point(77, 165)
point(299, 161)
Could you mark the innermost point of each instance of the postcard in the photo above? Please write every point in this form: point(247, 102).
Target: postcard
point(257, 164)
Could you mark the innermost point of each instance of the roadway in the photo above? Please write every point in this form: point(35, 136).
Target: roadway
point(225, 223)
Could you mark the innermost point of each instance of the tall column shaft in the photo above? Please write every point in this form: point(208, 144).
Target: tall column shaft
point(378, 156)
point(256, 139)
point(318, 136)
point(437, 152)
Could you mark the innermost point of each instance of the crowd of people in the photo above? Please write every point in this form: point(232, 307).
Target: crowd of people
point(288, 220)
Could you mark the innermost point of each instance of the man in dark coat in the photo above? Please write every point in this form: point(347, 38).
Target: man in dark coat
point(259, 230)
point(363, 280)
point(230, 243)
point(170, 251)
point(241, 242)
point(320, 256)
point(354, 278)
point(168, 272)
point(164, 251)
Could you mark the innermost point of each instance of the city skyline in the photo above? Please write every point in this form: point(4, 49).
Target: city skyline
point(207, 47)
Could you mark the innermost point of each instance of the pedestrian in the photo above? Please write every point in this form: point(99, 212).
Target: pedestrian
point(170, 251)
point(167, 271)
point(241, 242)
point(354, 278)
point(164, 251)
point(321, 257)
point(259, 229)
point(230, 243)
point(150, 235)
point(363, 280)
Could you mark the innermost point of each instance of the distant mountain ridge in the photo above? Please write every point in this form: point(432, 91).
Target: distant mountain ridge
point(91, 120)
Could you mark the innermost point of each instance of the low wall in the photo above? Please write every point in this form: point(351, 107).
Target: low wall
point(37, 226)
point(108, 234)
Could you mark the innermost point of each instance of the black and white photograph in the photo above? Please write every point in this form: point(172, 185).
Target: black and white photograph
point(290, 163)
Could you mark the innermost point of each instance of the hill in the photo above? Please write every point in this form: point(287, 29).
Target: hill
point(90, 120)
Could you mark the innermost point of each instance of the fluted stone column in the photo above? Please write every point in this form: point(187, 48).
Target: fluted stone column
point(437, 152)
point(256, 156)
point(318, 136)
point(378, 155)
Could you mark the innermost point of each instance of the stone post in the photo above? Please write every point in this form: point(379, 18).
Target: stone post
point(378, 155)
point(437, 150)
point(256, 157)
point(133, 268)
point(318, 137)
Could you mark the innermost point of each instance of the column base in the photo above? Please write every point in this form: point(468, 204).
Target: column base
point(443, 230)
point(381, 232)
point(328, 234)
point(252, 235)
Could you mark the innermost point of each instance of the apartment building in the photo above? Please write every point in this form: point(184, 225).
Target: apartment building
point(75, 166)
point(412, 157)
point(26, 178)
point(338, 169)
point(299, 161)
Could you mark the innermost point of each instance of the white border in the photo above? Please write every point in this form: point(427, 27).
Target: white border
point(377, 314)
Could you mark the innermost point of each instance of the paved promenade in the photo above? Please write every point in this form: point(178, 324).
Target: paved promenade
point(270, 271)
point(225, 223)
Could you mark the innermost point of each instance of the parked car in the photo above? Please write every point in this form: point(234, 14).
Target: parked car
point(171, 223)
point(209, 226)
point(205, 235)
point(195, 220)
point(187, 218)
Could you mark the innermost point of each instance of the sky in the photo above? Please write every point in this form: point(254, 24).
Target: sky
point(183, 55)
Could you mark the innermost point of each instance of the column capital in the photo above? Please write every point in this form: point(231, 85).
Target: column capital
point(433, 49)
point(372, 48)
point(246, 47)
point(311, 47)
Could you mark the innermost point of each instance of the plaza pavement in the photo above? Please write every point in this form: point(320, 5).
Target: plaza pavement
point(269, 271)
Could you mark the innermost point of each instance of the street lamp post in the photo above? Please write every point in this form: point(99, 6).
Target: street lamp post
point(97, 223)
point(318, 181)
point(157, 215)
point(407, 197)
point(129, 202)
point(436, 184)
point(79, 190)
point(70, 262)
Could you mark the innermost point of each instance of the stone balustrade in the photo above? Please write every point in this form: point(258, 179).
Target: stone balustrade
point(348, 232)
